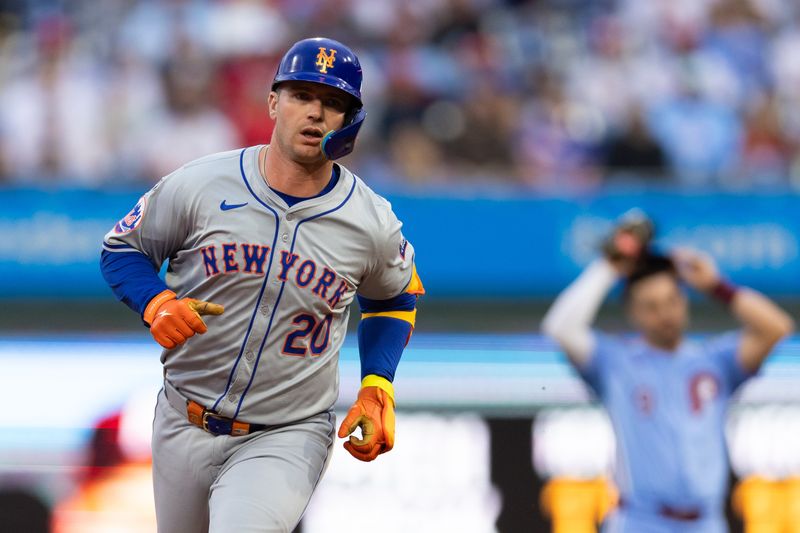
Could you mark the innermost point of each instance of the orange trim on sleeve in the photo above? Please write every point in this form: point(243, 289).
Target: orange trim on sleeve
point(415, 285)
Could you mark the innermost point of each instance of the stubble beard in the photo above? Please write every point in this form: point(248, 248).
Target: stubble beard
point(305, 155)
point(666, 339)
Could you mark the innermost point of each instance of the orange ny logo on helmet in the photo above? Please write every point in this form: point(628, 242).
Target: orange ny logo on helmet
point(325, 60)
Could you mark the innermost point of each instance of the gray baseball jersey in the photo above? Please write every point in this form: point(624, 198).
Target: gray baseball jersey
point(286, 276)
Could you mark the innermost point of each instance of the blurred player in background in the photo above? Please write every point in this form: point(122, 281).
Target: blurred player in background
point(666, 394)
point(118, 469)
point(285, 239)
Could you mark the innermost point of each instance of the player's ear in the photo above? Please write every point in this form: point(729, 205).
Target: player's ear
point(683, 298)
point(272, 104)
point(630, 313)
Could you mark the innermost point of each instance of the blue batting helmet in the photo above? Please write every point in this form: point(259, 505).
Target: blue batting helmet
point(331, 63)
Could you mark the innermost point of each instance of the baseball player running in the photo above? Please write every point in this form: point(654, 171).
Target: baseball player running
point(267, 247)
point(666, 394)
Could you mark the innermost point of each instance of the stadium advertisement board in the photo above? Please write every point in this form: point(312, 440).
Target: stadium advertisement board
point(477, 247)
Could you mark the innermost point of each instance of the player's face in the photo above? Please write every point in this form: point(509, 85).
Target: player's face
point(658, 309)
point(304, 113)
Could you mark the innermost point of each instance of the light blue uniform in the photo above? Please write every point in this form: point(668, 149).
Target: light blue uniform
point(668, 411)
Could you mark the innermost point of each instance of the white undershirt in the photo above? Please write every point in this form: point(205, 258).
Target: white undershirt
point(570, 318)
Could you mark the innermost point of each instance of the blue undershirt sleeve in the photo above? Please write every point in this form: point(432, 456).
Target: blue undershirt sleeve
point(132, 277)
point(382, 336)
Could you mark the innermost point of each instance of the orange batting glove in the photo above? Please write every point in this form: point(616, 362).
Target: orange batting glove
point(172, 321)
point(373, 411)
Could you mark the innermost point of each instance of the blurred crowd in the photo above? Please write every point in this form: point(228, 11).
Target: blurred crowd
point(554, 95)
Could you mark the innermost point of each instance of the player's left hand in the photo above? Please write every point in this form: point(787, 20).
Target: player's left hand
point(697, 269)
point(373, 411)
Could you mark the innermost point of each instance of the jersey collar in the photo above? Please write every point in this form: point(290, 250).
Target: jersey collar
point(308, 207)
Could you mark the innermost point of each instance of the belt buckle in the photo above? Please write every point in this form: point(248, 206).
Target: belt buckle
point(206, 414)
point(217, 424)
point(216, 429)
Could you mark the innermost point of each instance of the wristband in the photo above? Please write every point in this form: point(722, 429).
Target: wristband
point(381, 382)
point(158, 300)
point(724, 291)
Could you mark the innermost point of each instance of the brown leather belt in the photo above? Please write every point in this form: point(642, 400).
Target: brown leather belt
point(681, 515)
point(206, 419)
point(685, 514)
point(218, 424)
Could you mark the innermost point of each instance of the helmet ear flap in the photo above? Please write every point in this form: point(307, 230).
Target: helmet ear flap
point(339, 143)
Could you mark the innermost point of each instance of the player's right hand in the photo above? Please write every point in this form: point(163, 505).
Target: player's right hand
point(172, 321)
point(628, 241)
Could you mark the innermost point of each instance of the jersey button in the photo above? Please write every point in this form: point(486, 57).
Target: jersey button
point(249, 355)
point(285, 237)
point(289, 218)
point(264, 309)
point(232, 398)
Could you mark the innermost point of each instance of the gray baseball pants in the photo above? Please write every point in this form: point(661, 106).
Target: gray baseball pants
point(261, 482)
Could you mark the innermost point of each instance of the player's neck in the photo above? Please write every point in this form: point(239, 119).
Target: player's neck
point(291, 177)
point(664, 345)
